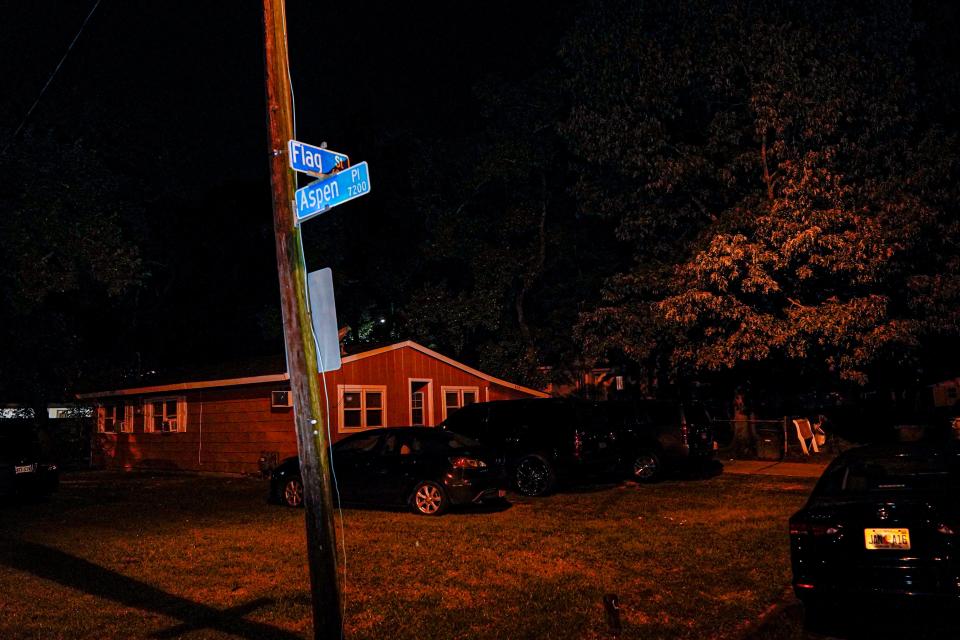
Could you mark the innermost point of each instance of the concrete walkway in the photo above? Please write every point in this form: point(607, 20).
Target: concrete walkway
point(768, 468)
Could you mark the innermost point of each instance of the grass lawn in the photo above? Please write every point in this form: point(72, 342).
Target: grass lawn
point(135, 555)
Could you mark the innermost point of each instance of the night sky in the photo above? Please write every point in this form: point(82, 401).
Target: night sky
point(171, 96)
point(638, 130)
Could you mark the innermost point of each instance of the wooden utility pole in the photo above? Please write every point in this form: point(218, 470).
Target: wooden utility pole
point(298, 337)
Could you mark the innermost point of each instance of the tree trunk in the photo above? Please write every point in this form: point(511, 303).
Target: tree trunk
point(743, 440)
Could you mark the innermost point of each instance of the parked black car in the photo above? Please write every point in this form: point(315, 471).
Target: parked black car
point(545, 441)
point(425, 468)
point(883, 520)
point(661, 436)
point(553, 440)
point(24, 468)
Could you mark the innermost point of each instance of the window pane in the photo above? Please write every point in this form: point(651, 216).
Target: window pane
point(417, 400)
point(171, 409)
point(351, 399)
point(364, 444)
point(351, 418)
point(451, 399)
point(469, 397)
point(374, 399)
point(374, 417)
point(417, 417)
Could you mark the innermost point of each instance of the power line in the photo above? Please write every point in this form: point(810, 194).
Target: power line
point(50, 79)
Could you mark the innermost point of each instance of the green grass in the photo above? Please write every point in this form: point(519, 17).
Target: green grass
point(122, 556)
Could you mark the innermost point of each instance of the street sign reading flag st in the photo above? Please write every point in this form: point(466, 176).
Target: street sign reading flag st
point(323, 312)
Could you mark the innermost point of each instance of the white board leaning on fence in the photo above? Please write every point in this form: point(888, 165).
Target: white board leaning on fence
point(323, 314)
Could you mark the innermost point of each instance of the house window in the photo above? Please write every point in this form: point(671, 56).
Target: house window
point(421, 404)
point(456, 398)
point(362, 407)
point(165, 415)
point(116, 417)
point(416, 408)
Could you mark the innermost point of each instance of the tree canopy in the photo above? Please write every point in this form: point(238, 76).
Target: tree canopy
point(786, 187)
point(67, 267)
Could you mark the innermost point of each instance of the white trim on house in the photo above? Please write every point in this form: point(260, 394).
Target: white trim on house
point(125, 422)
point(186, 386)
point(459, 389)
point(449, 361)
point(178, 424)
point(283, 377)
point(427, 407)
point(362, 389)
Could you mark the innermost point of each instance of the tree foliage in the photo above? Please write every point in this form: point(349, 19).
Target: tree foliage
point(65, 267)
point(785, 188)
point(508, 259)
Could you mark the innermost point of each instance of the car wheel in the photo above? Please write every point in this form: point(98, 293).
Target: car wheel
point(292, 493)
point(429, 499)
point(645, 466)
point(534, 476)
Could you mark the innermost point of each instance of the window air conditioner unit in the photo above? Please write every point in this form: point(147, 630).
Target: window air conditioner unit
point(280, 399)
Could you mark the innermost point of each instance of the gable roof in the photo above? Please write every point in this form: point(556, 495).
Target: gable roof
point(450, 361)
point(281, 377)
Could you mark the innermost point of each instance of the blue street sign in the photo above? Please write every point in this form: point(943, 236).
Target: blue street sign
point(342, 187)
point(307, 158)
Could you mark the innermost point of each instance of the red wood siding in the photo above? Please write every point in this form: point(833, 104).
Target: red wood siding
point(226, 430)
point(229, 427)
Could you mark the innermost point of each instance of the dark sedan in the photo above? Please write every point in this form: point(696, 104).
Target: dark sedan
point(426, 469)
point(882, 522)
point(24, 469)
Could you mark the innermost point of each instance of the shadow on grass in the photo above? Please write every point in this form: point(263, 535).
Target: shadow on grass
point(885, 620)
point(492, 506)
point(70, 571)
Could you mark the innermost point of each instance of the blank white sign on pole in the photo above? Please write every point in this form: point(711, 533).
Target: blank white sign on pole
point(323, 312)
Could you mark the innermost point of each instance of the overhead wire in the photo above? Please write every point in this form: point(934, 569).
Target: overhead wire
point(46, 85)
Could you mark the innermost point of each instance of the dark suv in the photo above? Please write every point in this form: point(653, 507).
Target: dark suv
point(546, 441)
point(657, 436)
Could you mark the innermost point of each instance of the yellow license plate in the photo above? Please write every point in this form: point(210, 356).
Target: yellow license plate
point(887, 538)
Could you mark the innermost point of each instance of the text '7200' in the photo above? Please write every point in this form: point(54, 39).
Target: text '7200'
point(317, 197)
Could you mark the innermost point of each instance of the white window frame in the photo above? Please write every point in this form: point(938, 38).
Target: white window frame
point(126, 425)
point(181, 413)
point(459, 391)
point(427, 400)
point(362, 390)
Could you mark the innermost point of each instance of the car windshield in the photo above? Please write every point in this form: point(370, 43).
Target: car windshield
point(891, 473)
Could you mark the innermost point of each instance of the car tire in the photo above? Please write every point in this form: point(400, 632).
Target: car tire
point(291, 492)
point(429, 499)
point(534, 476)
point(645, 466)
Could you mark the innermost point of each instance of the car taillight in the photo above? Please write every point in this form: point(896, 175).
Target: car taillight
point(462, 462)
point(685, 433)
point(947, 530)
point(577, 443)
point(816, 529)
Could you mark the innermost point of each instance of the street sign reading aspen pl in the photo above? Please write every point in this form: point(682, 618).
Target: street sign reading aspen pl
point(307, 158)
point(319, 196)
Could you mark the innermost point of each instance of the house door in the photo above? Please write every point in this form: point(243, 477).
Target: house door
point(421, 403)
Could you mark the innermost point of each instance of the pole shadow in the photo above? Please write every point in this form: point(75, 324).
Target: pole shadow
point(70, 571)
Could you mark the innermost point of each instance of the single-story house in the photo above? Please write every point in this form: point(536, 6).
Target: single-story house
point(231, 424)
